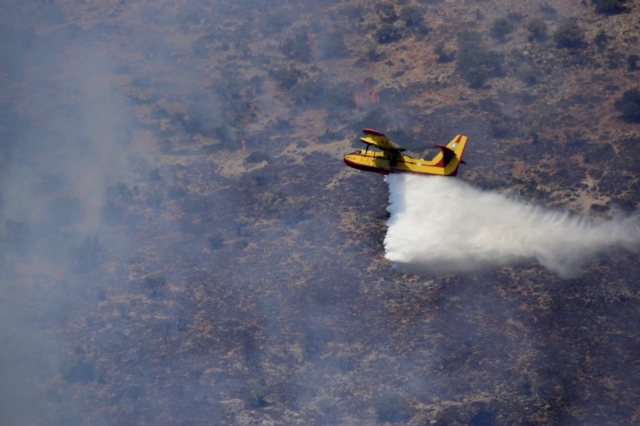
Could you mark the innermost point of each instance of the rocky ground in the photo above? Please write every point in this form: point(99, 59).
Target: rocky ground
point(183, 245)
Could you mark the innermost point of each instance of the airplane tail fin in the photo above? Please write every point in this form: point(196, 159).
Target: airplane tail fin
point(453, 149)
point(458, 144)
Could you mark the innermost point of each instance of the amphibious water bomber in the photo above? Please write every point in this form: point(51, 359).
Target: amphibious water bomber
point(389, 157)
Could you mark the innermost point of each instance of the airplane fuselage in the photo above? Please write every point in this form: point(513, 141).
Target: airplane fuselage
point(380, 162)
point(388, 157)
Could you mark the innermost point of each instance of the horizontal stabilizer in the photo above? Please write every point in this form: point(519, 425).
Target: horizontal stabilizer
point(447, 155)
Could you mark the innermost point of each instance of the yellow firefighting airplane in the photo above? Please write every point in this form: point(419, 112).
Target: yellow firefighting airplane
point(391, 160)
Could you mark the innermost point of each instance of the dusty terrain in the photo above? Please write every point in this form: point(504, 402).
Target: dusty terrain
point(183, 245)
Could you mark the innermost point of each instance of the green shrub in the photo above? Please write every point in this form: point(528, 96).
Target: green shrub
point(119, 192)
point(500, 29)
point(471, 65)
point(330, 411)
point(609, 7)
point(537, 30)
point(242, 223)
point(629, 105)
point(632, 62)
point(176, 192)
point(338, 98)
point(412, 16)
point(528, 75)
point(599, 154)
point(443, 55)
point(499, 127)
point(332, 46)
point(469, 40)
point(286, 78)
point(216, 240)
point(154, 174)
point(298, 46)
point(475, 63)
point(601, 39)
point(155, 282)
point(256, 157)
point(290, 209)
point(387, 33)
point(155, 198)
point(476, 77)
point(386, 12)
point(226, 137)
point(296, 204)
point(515, 17)
point(372, 54)
point(74, 367)
point(548, 11)
point(271, 202)
point(391, 408)
point(259, 393)
point(569, 36)
point(615, 60)
point(275, 21)
point(305, 91)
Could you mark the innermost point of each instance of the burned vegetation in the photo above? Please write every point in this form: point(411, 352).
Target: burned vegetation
point(182, 244)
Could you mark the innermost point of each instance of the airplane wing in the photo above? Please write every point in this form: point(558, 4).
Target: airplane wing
point(375, 138)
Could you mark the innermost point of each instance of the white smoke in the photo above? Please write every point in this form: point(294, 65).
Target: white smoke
point(443, 225)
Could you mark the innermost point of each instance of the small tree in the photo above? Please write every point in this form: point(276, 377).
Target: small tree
point(287, 77)
point(257, 157)
point(304, 91)
point(500, 29)
point(569, 36)
point(632, 61)
point(75, 368)
point(412, 16)
point(443, 55)
point(609, 7)
point(476, 77)
point(271, 203)
point(537, 30)
point(629, 105)
point(387, 33)
point(241, 223)
point(216, 240)
point(332, 46)
point(386, 12)
point(298, 46)
point(155, 281)
point(258, 394)
point(601, 39)
point(475, 63)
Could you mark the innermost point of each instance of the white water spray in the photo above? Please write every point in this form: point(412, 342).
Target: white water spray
point(442, 225)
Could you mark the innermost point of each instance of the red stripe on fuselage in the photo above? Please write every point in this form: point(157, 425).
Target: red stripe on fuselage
point(387, 171)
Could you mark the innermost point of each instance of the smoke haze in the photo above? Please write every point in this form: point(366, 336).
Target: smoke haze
point(440, 225)
point(181, 243)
